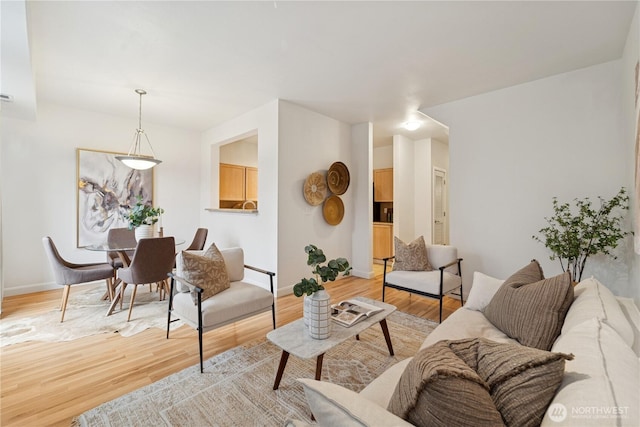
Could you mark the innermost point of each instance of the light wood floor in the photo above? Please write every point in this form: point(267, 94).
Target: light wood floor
point(49, 383)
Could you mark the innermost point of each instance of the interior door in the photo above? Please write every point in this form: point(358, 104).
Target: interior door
point(440, 235)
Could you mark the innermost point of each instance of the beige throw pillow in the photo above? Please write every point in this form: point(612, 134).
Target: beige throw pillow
point(438, 389)
point(412, 256)
point(531, 309)
point(207, 271)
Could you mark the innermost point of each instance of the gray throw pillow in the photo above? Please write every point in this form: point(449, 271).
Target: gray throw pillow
point(531, 309)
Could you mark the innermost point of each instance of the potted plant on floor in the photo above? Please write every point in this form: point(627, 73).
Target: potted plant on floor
point(142, 217)
point(574, 236)
point(317, 308)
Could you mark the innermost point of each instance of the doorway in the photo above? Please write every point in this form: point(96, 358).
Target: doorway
point(440, 225)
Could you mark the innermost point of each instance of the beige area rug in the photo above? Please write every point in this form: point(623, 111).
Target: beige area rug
point(236, 387)
point(86, 315)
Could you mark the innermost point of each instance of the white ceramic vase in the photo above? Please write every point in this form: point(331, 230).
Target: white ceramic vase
point(143, 231)
point(306, 303)
point(319, 315)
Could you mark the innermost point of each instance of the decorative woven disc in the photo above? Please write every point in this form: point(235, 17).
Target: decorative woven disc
point(315, 189)
point(338, 178)
point(333, 210)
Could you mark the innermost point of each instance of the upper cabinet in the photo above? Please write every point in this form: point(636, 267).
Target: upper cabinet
point(383, 185)
point(232, 182)
point(238, 183)
point(251, 183)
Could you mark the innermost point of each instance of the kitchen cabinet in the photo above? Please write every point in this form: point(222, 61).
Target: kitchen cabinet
point(382, 240)
point(251, 183)
point(238, 182)
point(383, 185)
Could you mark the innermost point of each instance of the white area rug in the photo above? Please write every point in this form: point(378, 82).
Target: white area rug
point(236, 387)
point(86, 315)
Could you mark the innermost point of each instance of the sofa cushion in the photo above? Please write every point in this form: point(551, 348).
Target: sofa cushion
point(522, 380)
point(531, 310)
point(482, 291)
point(412, 256)
point(333, 405)
point(433, 386)
point(600, 386)
point(593, 299)
point(464, 323)
point(206, 271)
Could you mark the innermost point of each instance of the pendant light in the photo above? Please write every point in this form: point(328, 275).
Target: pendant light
point(134, 158)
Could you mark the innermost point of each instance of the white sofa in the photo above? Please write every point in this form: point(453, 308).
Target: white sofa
point(600, 386)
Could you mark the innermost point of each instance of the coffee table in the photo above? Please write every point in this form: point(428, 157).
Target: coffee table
point(294, 338)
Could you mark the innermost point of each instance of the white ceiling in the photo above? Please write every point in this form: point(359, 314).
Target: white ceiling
point(205, 62)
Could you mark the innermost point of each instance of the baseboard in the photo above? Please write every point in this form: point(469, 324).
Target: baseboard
point(40, 287)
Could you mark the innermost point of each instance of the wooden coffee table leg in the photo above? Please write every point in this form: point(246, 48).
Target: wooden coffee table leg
point(319, 367)
point(387, 338)
point(283, 363)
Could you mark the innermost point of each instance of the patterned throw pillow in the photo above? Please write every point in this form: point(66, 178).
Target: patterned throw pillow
point(531, 309)
point(207, 271)
point(412, 256)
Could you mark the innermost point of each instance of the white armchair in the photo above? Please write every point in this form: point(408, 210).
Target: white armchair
point(240, 301)
point(445, 277)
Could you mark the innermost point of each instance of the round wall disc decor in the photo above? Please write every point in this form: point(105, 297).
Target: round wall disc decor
point(333, 210)
point(338, 178)
point(315, 189)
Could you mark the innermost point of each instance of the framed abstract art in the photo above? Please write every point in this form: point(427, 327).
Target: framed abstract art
point(106, 189)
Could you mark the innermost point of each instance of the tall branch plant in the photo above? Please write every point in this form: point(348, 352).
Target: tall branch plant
point(574, 234)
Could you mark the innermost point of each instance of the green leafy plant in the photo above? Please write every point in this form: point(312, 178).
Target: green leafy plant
point(143, 214)
point(575, 234)
point(323, 273)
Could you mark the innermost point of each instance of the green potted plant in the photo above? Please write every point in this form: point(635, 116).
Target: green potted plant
point(317, 307)
point(142, 217)
point(575, 234)
point(324, 273)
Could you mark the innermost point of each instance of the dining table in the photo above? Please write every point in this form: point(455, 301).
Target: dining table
point(121, 250)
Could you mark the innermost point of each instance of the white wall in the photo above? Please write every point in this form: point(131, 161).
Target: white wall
point(309, 142)
point(383, 157)
point(630, 125)
point(240, 153)
point(422, 177)
point(362, 182)
point(257, 233)
point(514, 149)
point(39, 185)
point(403, 188)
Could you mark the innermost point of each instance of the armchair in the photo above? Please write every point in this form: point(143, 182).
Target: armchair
point(240, 301)
point(443, 279)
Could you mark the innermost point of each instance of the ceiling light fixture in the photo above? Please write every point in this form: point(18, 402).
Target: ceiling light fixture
point(412, 125)
point(134, 158)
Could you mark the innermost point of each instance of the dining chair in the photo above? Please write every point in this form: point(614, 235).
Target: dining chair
point(67, 273)
point(198, 240)
point(151, 263)
point(122, 237)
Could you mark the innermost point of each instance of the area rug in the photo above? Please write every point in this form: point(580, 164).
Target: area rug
point(86, 315)
point(236, 388)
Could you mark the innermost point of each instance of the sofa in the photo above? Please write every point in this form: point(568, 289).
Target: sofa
point(596, 350)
